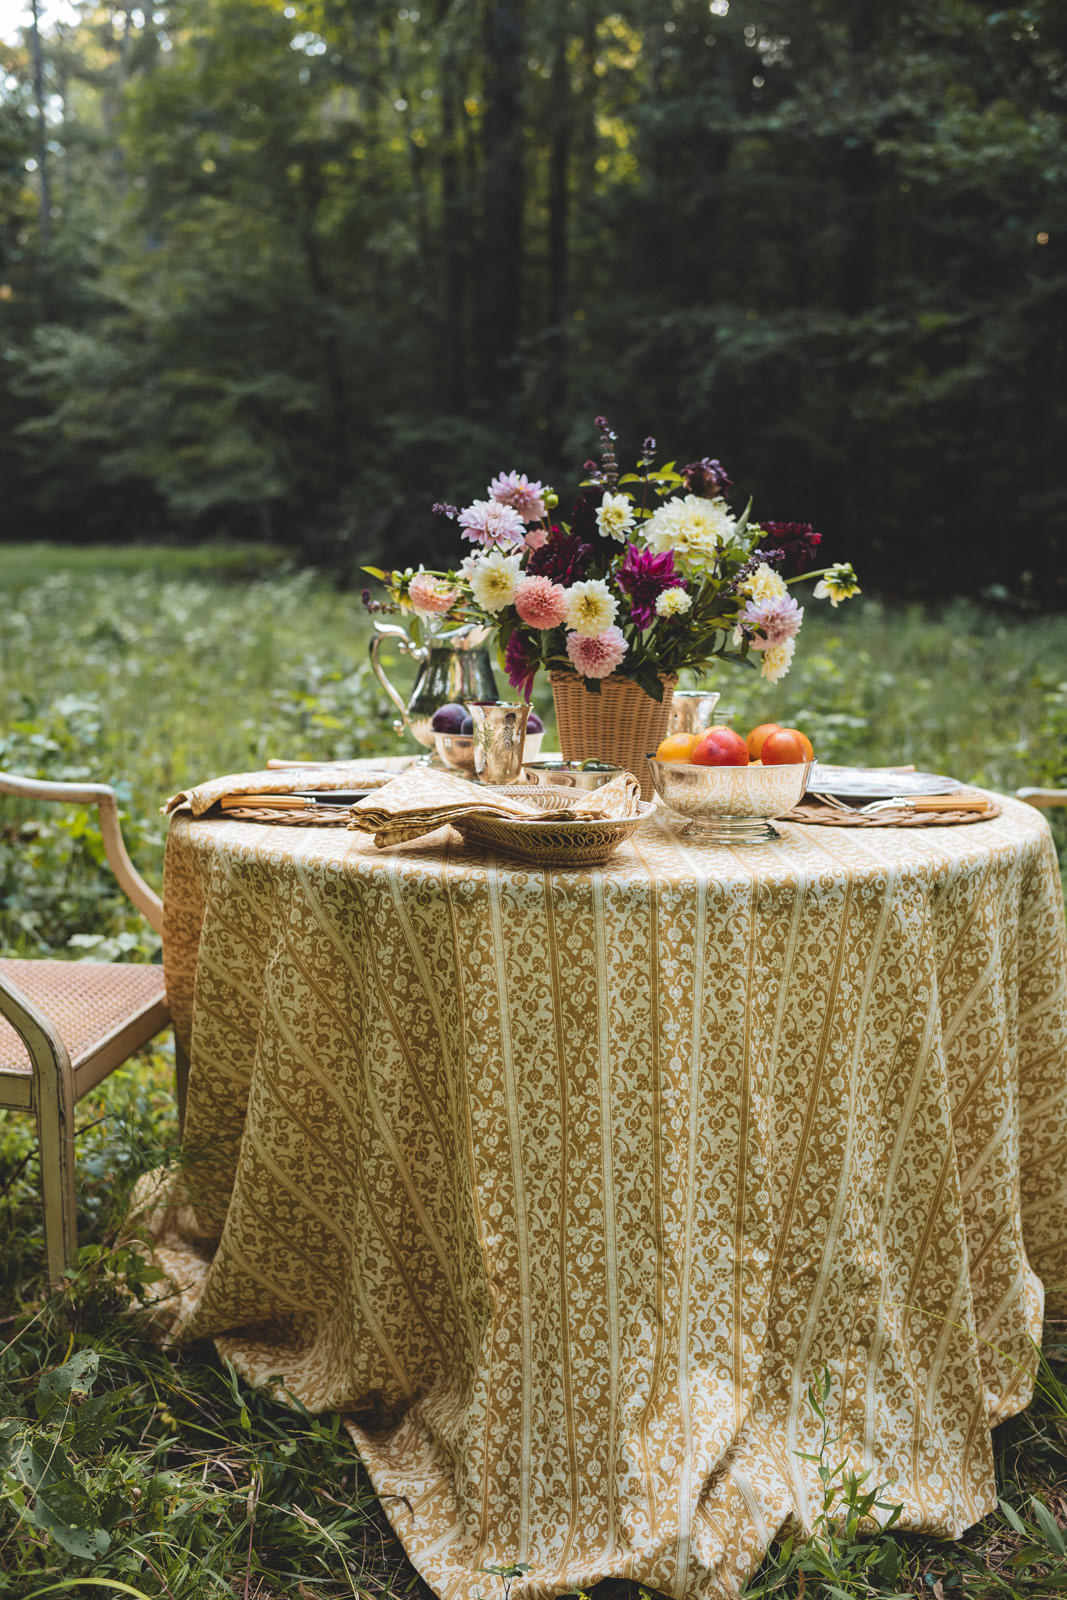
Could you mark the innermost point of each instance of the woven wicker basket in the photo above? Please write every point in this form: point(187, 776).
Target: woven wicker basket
point(621, 724)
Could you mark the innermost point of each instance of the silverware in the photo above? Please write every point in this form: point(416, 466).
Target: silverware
point(929, 802)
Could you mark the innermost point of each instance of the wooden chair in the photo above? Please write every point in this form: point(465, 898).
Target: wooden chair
point(64, 1025)
point(1043, 799)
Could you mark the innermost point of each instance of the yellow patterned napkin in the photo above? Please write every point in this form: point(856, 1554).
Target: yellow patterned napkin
point(418, 802)
point(284, 781)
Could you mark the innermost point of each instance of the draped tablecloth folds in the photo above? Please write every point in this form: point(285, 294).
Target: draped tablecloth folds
point(563, 1186)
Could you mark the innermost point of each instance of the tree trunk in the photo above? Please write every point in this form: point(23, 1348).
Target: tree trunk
point(45, 188)
point(503, 189)
point(559, 162)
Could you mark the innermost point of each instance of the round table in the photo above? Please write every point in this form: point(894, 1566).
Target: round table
point(564, 1186)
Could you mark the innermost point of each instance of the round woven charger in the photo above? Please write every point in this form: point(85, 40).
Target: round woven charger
point(829, 816)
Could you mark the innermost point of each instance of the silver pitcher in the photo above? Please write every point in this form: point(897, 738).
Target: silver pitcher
point(453, 666)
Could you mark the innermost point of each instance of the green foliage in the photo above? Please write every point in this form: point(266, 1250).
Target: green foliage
point(303, 261)
point(156, 1474)
point(849, 1551)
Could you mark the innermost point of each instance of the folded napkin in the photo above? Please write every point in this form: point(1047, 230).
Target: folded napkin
point(281, 781)
point(417, 802)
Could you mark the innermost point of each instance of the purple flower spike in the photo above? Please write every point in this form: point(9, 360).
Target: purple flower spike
point(644, 576)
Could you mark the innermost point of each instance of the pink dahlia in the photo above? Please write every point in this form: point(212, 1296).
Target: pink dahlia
point(778, 619)
point(540, 602)
point(489, 522)
point(536, 537)
point(594, 656)
point(431, 596)
point(515, 489)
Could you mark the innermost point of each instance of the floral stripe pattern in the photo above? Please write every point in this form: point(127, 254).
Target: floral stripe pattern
point(563, 1186)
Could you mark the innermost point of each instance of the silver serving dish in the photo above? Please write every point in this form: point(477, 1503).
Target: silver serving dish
point(583, 775)
point(729, 805)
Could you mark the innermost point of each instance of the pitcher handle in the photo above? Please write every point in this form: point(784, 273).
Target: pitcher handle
point(389, 630)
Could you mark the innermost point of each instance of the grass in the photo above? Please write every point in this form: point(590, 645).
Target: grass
point(126, 1464)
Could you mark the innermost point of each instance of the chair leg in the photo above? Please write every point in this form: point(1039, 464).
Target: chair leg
point(55, 1136)
point(53, 1101)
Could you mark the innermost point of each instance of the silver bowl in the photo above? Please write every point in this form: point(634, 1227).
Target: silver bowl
point(585, 776)
point(729, 805)
point(456, 750)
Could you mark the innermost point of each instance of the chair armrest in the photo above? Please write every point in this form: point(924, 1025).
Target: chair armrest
point(105, 799)
point(1043, 799)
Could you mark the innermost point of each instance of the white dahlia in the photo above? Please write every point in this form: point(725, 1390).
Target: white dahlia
point(591, 607)
point(694, 528)
point(495, 579)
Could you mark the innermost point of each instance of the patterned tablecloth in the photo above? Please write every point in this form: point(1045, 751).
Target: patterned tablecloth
point(564, 1186)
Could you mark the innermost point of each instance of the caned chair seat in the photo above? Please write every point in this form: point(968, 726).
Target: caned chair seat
point(102, 1011)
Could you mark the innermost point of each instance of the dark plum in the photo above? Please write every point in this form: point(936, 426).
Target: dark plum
point(450, 719)
point(467, 725)
point(534, 723)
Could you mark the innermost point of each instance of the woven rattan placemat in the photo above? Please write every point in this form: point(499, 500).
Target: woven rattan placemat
point(900, 817)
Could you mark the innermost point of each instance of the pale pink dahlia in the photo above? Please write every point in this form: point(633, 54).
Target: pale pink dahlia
point(536, 537)
point(430, 596)
point(596, 655)
point(540, 602)
point(779, 618)
point(515, 489)
point(491, 523)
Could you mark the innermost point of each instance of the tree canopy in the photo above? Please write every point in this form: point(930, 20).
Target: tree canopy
point(298, 270)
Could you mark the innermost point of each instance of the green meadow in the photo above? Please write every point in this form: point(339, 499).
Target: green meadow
point(151, 669)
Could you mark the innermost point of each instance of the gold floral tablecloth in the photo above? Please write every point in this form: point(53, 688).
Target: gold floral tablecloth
point(564, 1186)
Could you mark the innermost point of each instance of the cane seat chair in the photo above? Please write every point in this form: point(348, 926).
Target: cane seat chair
point(64, 1025)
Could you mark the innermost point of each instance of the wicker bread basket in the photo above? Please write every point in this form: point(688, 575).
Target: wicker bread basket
point(621, 724)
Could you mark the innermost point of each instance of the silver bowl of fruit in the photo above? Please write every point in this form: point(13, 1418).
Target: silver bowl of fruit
point(452, 729)
point(722, 796)
point(582, 775)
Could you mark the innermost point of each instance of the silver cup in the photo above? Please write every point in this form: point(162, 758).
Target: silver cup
point(692, 710)
point(499, 735)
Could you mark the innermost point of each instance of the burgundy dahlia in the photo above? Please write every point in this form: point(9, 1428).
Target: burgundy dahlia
point(644, 576)
point(521, 657)
point(564, 558)
point(798, 542)
point(707, 478)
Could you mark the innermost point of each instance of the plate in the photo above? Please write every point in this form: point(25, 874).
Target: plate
point(876, 783)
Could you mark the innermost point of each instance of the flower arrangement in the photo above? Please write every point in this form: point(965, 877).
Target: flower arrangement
point(652, 574)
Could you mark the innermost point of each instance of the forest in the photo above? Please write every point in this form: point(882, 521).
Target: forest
point(293, 272)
